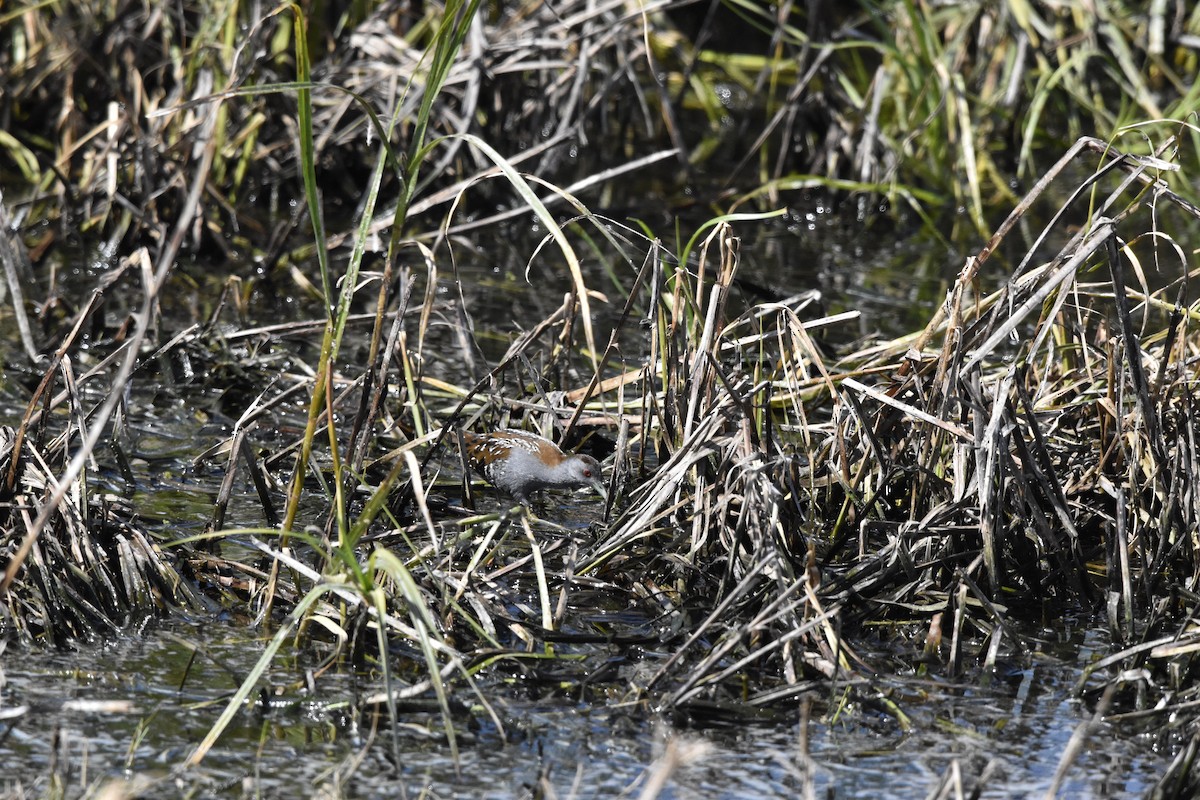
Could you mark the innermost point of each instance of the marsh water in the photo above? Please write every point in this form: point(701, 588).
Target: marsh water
point(1012, 726)
point(130, 707)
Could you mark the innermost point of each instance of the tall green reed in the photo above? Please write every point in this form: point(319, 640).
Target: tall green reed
point(359, 577)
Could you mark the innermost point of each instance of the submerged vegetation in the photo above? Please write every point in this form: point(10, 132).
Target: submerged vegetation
point(780, 495)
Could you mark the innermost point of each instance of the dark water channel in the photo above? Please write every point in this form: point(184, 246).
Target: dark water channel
point(133, 707)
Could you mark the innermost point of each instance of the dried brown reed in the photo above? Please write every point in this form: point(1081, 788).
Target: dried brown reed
point(1026, 453)
point(1032, 450)
point(108, 108)
point(78, 563)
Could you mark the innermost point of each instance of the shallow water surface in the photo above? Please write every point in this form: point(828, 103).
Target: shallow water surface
point(1010, 735)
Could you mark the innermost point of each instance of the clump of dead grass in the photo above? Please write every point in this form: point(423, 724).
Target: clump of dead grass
point(1029, 451)
point(1032, 449)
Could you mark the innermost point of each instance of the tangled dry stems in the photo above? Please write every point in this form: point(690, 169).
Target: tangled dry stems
point(1032, 448)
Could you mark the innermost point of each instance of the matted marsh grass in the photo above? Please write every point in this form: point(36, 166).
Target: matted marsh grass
point(1031, 450)
point(976, 464)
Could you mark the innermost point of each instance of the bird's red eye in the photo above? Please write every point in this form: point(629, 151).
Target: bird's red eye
point(587, 473)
